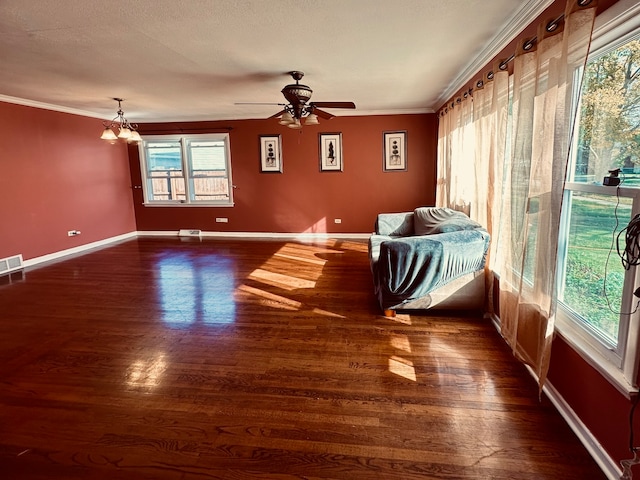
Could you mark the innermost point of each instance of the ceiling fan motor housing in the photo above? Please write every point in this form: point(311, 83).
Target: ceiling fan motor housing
point(297, 93)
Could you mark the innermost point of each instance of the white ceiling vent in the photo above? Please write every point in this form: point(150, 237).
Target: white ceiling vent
point(189, 233)
point(10, 264)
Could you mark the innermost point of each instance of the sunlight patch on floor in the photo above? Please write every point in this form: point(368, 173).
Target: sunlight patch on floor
point(280, 280)
point(403, 318)
point(402, 367)
point(313, 261)
point(327, 313)
point(271, 299)
point(401, 342)
point(311, 266)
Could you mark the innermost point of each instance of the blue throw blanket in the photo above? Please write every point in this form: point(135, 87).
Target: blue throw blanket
point(407, 268)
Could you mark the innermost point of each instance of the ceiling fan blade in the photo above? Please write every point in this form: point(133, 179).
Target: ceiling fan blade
point(323, 114)
point(277, 114)
point(258, 103)
point(334, 104)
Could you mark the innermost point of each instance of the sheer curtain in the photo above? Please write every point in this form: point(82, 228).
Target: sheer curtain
point(512, 178)
point(455, 148)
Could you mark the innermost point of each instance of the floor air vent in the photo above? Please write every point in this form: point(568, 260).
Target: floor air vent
point(189, 233)
point(11, 264)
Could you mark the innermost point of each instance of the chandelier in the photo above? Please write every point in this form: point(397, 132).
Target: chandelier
point(126, 130)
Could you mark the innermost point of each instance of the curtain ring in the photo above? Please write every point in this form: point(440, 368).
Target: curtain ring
point(584, 3)
point(528, 45)
point(553, 24)
point(480, 83)
point(490, 75)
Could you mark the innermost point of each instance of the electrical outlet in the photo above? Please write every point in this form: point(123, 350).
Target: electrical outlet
point(337, 220)
point(222, 220)
point(73, 233)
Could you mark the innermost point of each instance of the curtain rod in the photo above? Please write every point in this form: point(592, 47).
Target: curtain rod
point(158, 131)
point(526, 46)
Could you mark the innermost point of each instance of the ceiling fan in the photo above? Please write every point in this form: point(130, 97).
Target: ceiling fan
point(300, 107)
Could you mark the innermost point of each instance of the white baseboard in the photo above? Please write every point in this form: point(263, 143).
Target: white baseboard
point(82, 248)
point(265, 235)
point(599, 454)
point(253, 235)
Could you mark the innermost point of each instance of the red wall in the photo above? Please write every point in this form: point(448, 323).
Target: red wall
point(303, 199)
point(57, 175)
point(600, 406)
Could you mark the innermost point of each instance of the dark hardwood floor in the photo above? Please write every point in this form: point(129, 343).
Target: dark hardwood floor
point(158, 358)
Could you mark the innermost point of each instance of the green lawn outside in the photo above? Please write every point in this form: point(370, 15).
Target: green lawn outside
point(590, 243)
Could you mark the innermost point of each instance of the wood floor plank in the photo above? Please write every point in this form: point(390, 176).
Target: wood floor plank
point(158, 358)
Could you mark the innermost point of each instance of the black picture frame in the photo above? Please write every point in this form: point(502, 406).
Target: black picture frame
point(330, 152)
point(270, 154)
point(394, 147)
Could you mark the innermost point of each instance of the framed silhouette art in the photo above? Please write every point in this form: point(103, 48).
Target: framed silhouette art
point(395, 151)
point(330, 152)
point(270, 154)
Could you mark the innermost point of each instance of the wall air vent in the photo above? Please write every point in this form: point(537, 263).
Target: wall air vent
point(189, 233)
point(11, 264)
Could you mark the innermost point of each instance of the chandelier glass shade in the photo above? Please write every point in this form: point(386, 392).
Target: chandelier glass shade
point(125, 130)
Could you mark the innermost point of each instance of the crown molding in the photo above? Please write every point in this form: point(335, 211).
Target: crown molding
point(49, 106)
point(514, 25)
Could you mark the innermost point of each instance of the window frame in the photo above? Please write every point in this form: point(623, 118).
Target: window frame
point(616, 362)
point(614, 27)
point(188, 175)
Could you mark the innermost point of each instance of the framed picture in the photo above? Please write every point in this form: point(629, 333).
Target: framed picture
point(395, 151)
point(270, 154)
point(330, 152)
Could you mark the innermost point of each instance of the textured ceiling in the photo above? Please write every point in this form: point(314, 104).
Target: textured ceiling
point(195, 59)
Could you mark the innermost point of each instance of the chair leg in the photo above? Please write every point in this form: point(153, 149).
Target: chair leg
point(390, 313)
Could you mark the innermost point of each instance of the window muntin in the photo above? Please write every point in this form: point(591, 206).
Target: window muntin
point(192, 169)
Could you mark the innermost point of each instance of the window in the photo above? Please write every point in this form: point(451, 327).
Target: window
point(596, 292)
point(186, 170)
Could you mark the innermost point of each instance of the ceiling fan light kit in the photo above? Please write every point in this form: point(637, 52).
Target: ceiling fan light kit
point(126, 130)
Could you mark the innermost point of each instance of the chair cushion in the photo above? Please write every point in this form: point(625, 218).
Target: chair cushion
point(432, 220)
